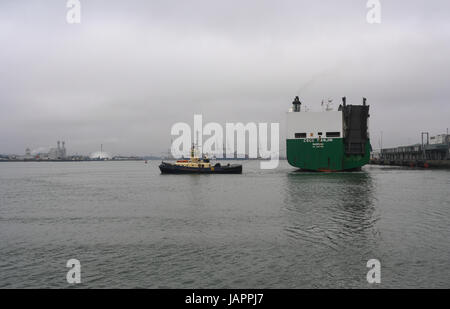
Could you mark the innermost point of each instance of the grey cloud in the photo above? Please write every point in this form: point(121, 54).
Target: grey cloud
point(133, 68)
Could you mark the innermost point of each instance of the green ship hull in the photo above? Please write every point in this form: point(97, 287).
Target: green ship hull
point(326, 155)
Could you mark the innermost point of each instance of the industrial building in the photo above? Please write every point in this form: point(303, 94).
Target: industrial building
point(58, 153)
point(432, 152)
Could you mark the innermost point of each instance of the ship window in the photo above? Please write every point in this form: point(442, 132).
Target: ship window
point(320, 133)
point(300, 135)
point(333, 134)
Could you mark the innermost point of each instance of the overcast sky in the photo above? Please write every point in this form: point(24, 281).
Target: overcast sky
point(132, 68)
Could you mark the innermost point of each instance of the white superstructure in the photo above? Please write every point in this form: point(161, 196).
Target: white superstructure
point(314, 124)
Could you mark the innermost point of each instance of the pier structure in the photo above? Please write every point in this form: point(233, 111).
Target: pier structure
point(431, 152)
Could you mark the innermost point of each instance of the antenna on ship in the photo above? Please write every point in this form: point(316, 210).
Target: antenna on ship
point(329, 103)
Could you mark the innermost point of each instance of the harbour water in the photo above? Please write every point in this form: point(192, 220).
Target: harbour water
point(131, 227)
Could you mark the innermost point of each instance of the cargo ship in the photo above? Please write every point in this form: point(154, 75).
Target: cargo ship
point(329, 140)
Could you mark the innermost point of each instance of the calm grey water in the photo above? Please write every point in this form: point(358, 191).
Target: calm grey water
point(131, 227)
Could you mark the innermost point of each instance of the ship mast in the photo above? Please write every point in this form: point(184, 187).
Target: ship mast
point(194, 148)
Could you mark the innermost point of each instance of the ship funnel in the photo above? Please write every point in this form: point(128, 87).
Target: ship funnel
point(297, 104)
point(364, 101)
point(344, 101)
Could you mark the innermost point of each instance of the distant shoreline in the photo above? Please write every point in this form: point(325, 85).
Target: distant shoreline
point(153, 159)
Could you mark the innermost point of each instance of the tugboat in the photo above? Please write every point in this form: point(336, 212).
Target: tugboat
point(198, 165)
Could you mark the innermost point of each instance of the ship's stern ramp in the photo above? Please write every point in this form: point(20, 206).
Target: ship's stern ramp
point(355, 128)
